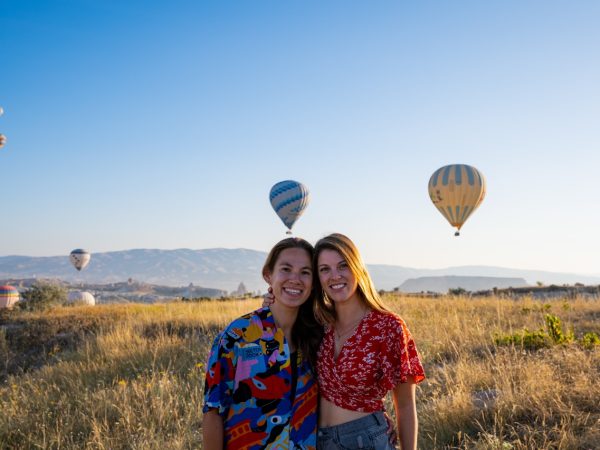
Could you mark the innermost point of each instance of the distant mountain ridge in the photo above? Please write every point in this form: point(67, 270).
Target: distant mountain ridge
point(221, 268)
point(217, 268)
point(444, 283)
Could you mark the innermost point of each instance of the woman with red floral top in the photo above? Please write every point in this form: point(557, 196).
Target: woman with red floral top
point(366, 351)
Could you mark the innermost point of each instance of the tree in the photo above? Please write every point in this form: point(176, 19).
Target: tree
point(42, 296)
point(457, 291)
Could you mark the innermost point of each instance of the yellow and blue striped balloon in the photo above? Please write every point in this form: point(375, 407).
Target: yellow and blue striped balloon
point(289, 199)
point(456, 191)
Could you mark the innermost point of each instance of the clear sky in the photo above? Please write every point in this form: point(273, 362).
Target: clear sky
point(155, 124)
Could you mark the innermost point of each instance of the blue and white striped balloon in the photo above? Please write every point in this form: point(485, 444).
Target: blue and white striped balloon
point(289, 199)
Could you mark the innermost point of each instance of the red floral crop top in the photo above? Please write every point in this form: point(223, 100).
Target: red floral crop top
point(380, 354)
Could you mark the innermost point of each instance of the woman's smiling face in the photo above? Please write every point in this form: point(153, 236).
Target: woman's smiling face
point(337, 280)
point(292, 277)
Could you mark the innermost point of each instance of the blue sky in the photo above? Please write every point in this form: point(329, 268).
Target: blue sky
point(146, 124)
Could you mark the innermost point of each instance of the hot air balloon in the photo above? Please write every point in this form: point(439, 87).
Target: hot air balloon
point(456, 191)
point(80, 258)
point(289, 199)
point(8, 296)
point(2, 137)
point(81, 297)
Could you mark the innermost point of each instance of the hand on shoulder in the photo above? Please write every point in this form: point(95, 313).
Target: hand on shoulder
point(268, 298)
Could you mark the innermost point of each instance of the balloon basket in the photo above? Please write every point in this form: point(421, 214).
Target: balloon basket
point(457, 233)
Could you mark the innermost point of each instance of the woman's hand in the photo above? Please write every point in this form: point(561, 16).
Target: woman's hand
point(268, 298)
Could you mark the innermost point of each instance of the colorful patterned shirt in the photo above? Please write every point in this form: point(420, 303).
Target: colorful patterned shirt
point(380, 354)
point(249, 380)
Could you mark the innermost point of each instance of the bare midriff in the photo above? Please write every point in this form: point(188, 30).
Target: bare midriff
point(330, 414)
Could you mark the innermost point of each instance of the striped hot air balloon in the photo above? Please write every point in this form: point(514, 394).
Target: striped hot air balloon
point(8, 296)
point(456, 191)
point(80, 258)
point(289, 199)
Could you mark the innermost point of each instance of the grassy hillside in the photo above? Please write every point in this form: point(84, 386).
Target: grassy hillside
point(131, 376)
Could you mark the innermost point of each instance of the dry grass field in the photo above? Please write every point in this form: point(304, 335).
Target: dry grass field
point(131, 376)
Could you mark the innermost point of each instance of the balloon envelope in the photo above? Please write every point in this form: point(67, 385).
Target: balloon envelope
point(2, 140)
point(81, 297)
point(80, 258)
point(8, 296)
point(456, 191)
point(289, 199)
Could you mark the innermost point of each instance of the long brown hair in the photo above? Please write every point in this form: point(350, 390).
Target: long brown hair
point(306, 332)
point(324, 308)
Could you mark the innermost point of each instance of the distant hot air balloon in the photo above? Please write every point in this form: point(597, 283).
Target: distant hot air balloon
point(81, 297)
point(289, 199)
point(8, 296)
point(456, 191)
point(2, 137)
point(80, 258)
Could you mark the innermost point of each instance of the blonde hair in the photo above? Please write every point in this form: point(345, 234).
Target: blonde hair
point(324, 308)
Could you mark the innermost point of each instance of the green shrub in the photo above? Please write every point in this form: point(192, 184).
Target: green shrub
point(554, 326)
point(590, 340)
point(42, 296)
point(531, 340)
point(4, 352)
point(457, 291)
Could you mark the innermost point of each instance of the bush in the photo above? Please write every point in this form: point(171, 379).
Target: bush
point(42, 296)
point(195, 299)
point(590, 340)
point(533, 340)
point(4, 352)
point(457, 291)
point(530, 340)
point(554, 326)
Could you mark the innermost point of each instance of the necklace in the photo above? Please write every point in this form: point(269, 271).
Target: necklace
point(350, 329)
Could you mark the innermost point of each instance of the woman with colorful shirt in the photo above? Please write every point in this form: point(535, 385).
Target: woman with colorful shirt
point(366, 351)
point(260, 392)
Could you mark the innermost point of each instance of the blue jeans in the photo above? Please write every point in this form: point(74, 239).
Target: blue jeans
point(369, 433)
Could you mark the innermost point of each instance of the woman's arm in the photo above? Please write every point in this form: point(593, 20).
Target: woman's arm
point(212, 430)
point(404, 395)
